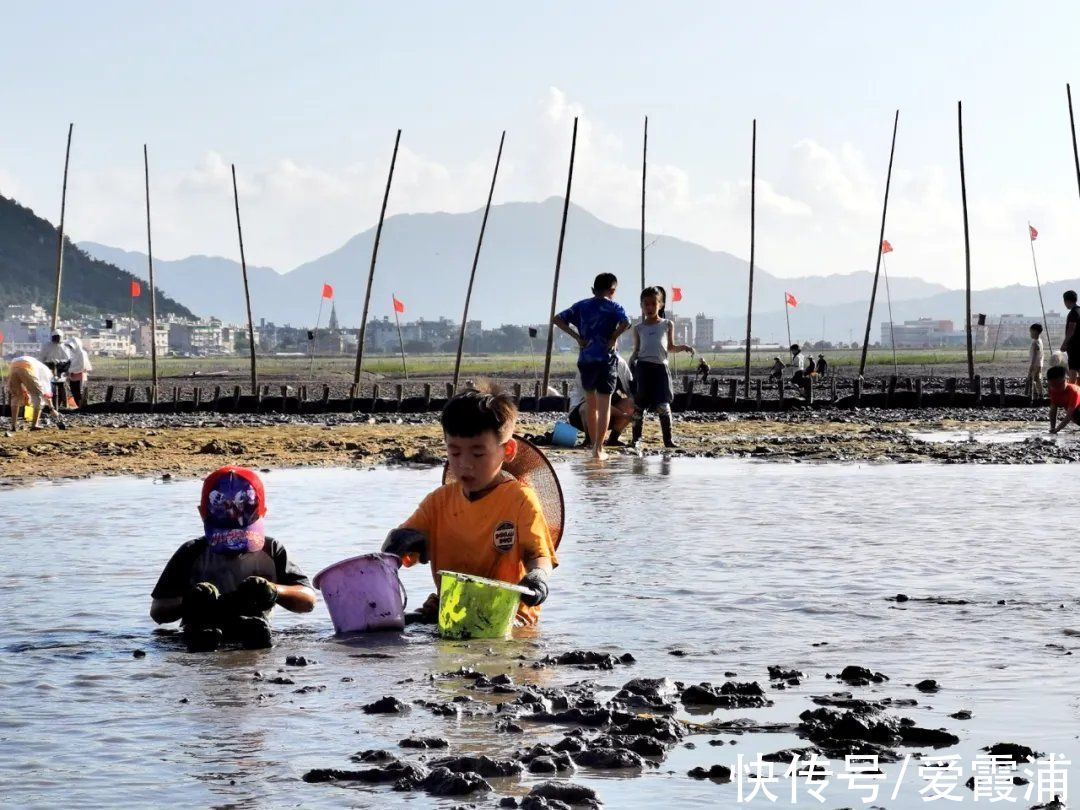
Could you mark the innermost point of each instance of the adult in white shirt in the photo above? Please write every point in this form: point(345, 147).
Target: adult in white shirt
point(622, 404)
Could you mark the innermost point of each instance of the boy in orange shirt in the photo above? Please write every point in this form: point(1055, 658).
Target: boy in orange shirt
point(1062, 395)
point(486, 522)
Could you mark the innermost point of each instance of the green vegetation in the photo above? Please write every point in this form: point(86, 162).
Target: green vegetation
point(28, 271)
point(519, 365)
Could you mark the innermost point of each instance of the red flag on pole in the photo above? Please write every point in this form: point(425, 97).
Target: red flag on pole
point(790, 299)
point(327, 291)
point(398, 305)
point(885, 246)
point(136, 289)
point(676, 294)
point(1034, 233)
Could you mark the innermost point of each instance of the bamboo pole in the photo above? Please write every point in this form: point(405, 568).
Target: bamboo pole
point(558, 261)
point(60, 241)
point(1072, 127)
point(892, 327)
point(750, 294)
point(315, 338)
point(247, 292)
point(371, 270)
point(967, 242)
point(476, 260)
point(1038, 284)
point(880, 245)
point(150, 270)
point(787, 318)
point(644, 166)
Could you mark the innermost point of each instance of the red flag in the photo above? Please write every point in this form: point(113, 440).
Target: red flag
point(327, 291)
point(790, 299)
point(1034, 233)
point(676, 294)
point(398, 305)
point(136, 289)
point(885, 246)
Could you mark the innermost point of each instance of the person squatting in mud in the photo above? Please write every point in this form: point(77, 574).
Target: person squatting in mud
point(622, 406)
point(1063, 394)
point(223, 586)
point(654, 338)
point(485, 522)
point(30, 383)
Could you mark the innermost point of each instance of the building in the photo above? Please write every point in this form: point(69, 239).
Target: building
point(703, 332)
point(924, 333)
point(1012, 330)
point(684, 330)
point(161, 338)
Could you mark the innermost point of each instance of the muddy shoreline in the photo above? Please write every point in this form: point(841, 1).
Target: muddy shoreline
point(180, 445)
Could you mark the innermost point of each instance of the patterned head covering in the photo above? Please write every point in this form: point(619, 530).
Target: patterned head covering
point(232, 508)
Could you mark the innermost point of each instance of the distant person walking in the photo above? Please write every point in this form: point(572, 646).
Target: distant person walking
point(822, 366)
point(1035, 360)
point(80, 368)
point(55, 356)
point(798, 364)
point(776, 373)
point(1071, 344)
point(596, 324)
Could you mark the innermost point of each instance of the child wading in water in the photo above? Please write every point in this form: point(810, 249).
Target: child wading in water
point(485, 522)
point(654, 338)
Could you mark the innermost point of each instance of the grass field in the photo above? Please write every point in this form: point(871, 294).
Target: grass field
point(914, 361)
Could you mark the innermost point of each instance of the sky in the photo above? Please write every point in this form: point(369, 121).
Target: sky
point(305, 99)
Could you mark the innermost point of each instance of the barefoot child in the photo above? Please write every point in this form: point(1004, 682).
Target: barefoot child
point(224, 584)
point(654, 338)
point(598, 322)
point(1035, 361)
point(485, 522)
point(1062, 395)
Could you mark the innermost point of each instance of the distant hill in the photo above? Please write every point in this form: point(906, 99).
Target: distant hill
point(425, 260)
point(28, 270)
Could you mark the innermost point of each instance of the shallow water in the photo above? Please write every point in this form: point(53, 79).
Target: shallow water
point(740, 565)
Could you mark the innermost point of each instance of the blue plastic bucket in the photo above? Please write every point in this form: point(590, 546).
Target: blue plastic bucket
point(564, 434)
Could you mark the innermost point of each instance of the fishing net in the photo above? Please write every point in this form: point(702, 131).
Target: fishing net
point(531, 467)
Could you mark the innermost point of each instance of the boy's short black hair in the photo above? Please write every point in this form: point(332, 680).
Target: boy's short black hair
point(1037, 328)
point(1069, 295)
point(795, 348)
point(1055, 373)
point(471, 413)
point(604, 282)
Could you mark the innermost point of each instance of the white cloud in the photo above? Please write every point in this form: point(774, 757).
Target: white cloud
point(819, 205)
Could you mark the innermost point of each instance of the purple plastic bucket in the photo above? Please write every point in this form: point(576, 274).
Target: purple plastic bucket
point(364, 593)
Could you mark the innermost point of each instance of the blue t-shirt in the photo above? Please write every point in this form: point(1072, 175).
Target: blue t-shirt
point(596, 320)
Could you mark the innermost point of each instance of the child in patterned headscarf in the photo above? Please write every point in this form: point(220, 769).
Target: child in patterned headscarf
point(225, 583)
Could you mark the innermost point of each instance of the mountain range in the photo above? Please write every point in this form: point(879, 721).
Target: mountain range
point(425, 259)
point(89, 285)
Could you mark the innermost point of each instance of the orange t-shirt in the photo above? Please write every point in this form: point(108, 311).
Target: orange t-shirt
point(491, 537)
point(1067, 397)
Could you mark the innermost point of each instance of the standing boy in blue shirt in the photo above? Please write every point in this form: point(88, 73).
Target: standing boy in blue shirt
point(597, 322)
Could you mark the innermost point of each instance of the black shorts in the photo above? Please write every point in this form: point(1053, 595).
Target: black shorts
point(600, 376)
point(652, 384)
point(1074, 358)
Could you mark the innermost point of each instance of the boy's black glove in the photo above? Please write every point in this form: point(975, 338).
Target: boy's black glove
point(406, 541)
point(200, 604)
point(252, 597)
point(535, 581)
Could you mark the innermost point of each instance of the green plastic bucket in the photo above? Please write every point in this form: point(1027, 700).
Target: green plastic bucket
point(475, 607)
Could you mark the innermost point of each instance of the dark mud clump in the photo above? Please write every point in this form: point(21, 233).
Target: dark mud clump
point(929, 686)
point(386, 705)
point(785, 677)
point(298, 661)
point(392, 772)
point(717, 773)
point(866, 731)
point(545, 759)
point(566, 792)
point(860, 676)
point(424, 742)
point(373, 755)
point(608, 759)
point(963, 714)
point(651, 694)
point(1014, 751)
point(444, 782)
point(587, 659)
point(731, 695)
point(482, 765)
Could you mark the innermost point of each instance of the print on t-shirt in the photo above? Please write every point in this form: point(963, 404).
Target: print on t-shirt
point(504, 535)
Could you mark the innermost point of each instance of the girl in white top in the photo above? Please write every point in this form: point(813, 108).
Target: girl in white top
point(654, 339)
